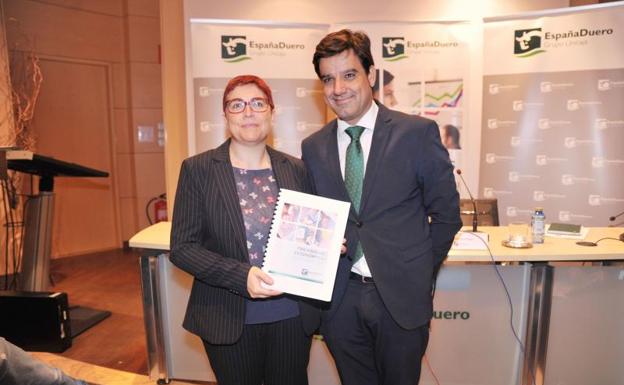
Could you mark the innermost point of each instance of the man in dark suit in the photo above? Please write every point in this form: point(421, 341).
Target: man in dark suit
point(404, 216)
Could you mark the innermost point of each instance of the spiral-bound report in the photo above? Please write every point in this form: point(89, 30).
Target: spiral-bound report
point(304, 243)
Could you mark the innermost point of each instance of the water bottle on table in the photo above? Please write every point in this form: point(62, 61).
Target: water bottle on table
point(538, 225)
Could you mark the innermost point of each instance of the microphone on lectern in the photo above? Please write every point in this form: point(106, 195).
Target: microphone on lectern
point(474, 203)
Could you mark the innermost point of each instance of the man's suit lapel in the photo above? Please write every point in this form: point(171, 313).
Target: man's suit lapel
point(226, 185)
point(381, 134)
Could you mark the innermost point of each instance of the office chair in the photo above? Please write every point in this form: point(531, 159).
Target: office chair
point(487, 212)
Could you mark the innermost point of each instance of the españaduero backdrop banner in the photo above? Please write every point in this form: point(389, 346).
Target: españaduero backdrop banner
point(553, 118)
point(552, 123)
point(279, 53)
point(424, 68)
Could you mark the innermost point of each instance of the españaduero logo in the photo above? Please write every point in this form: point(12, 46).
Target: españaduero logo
point(393, 48)
point(528, 42)
point(583, 32)
point(397, 48)
point(234, 48)
point(451, 314)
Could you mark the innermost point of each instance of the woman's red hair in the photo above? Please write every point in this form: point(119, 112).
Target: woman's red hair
point(244, 80)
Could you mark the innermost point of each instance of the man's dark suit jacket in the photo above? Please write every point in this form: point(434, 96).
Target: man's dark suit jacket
point(208, 241)
point(408, 179)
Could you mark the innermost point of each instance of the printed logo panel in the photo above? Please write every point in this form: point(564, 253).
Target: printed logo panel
point(528, 42)
point(234, 48)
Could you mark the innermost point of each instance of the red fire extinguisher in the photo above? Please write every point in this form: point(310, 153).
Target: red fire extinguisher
point(160, 209)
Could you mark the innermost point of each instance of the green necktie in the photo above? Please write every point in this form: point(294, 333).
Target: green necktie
point(354, 174)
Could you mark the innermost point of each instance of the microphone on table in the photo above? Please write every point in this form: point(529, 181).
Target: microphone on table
point(613, 219)
point(472, 200)
point(616, 216)
point(471, 240)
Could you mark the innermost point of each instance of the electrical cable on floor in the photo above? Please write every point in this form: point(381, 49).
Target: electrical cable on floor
point(500, 277)
point(435, 378)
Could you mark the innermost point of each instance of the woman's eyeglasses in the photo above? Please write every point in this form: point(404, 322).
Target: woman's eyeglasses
point(236, 106)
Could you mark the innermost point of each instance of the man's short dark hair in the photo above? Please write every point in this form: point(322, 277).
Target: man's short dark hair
point(344, 40)
point(452, 132)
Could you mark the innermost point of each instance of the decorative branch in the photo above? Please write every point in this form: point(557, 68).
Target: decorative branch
point(20, 89)
point(26, 79)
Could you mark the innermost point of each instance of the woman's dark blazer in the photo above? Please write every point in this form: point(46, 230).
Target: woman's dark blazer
point(208, 241)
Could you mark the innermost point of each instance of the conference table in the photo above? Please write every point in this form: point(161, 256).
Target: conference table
point(549, 314)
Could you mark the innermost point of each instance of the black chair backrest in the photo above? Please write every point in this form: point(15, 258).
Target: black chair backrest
point(487, 212)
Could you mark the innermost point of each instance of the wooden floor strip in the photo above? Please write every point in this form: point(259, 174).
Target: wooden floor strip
point(96, 374)
point(114, 351)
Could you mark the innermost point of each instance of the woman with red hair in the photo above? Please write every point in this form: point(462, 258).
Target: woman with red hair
point(221, 221)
